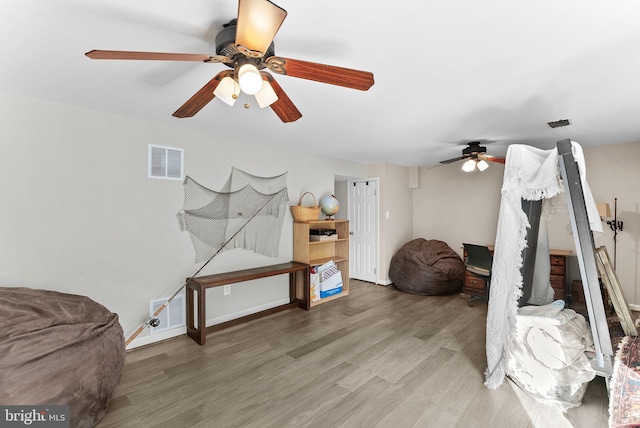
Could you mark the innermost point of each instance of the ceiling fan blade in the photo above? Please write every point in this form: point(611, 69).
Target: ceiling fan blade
point(257, 25)
point(202, 97)
point(155, 56)
point(495, 159)
point(454, 159)
point(283, 107)
point(349, 78)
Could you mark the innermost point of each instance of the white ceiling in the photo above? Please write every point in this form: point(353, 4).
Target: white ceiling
point(446, 71)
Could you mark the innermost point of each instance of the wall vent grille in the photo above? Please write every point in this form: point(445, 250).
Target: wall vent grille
point(173, 316)
point(559, 123)
point(165, 162)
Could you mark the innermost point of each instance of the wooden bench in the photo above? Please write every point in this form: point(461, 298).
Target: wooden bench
point(297, 294)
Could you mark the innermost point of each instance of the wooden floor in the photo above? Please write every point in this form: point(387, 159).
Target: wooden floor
point(378, 358)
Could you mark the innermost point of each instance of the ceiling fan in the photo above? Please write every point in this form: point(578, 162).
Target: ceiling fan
point(476, 158)
point(246, 46)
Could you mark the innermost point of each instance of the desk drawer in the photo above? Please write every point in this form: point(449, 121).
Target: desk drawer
point(557, 281)
point(558, 294)
point(474, 282)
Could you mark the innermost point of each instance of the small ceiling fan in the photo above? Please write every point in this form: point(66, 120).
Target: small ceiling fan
point(476, 157)
point(246, 46)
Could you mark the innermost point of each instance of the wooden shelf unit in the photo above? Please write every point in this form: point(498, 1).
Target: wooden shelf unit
point(315, 253)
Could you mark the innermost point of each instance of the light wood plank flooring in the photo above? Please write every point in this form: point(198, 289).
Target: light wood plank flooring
point(378, 358)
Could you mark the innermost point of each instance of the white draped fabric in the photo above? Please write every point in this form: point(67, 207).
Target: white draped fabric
point(530, 174)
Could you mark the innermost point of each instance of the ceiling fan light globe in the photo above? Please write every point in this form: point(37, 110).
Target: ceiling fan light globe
point(226, 91)
point(249, 79)
point(469, 165)
point(482, 164)
point(266, 96)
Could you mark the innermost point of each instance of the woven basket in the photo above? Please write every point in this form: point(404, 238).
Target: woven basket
point(301, 213)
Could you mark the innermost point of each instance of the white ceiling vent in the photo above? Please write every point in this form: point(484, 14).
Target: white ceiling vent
point(171, 317)
point(165, 162)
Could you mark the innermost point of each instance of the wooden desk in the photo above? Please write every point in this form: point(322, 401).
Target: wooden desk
point(475, 286)
point(297, 294)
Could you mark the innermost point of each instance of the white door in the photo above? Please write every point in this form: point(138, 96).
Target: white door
point(363, 220)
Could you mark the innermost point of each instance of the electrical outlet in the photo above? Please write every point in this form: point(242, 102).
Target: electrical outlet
point(227, 289)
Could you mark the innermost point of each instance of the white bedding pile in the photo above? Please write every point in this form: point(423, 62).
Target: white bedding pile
point(545, 355)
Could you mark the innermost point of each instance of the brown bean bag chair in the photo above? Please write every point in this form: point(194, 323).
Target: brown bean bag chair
point(59, 349)
point(427, 267)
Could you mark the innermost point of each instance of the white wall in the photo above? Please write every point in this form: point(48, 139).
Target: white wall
point(341, 193)
point(457, 207)
point(612, 172)
point(79, 215)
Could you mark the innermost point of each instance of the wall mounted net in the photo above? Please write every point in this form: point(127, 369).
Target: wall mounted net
point(247, 213)
point(220, 219)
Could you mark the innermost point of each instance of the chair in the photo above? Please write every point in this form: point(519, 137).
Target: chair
point(478, 261)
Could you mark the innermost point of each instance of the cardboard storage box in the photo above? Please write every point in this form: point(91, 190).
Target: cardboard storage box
point(330, 282)
point(316, 238)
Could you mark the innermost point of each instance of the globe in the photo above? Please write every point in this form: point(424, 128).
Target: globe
point(329, 205)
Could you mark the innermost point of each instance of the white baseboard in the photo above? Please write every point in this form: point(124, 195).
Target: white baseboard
point(385, 282)
point(245, 312)
point(158, 337)
point(168, 334)
point(634, 307)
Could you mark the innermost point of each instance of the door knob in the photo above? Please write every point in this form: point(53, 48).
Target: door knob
point(350, 233)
